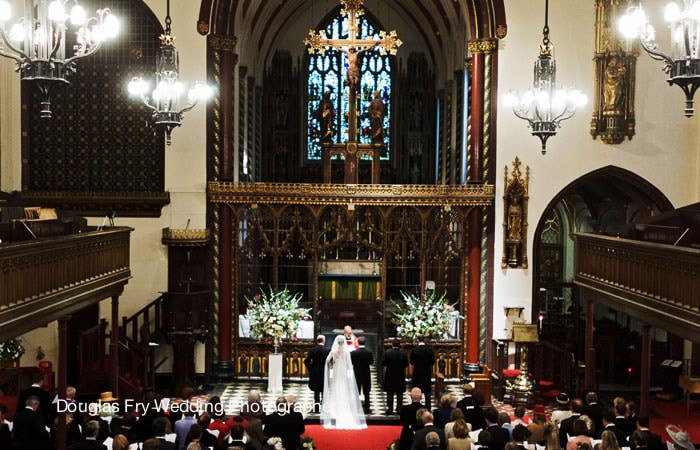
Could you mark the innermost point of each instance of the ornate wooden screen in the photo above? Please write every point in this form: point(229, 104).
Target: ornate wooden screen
point(98, 153)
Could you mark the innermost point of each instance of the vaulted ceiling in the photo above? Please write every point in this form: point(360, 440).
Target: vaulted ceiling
point(442, 25)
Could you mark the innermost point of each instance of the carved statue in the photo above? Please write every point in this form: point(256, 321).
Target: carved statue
point(377, 111)
point(613, 83)
point(326, 116)
point(353, 80)
point(515, 199)
point(281, 110)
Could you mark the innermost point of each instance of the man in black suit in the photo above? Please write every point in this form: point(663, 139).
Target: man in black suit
point(499, 435)
point(315, 363)
point(621, 422)
point(407, 417)
point(91, 430)
point(653, 440)
point(362, 359)
point(36, 390)
point(161, 427)
point(285, 424)
point(470, 405)
point(432, 441)
point(29, 429)
point(566, 428)
point(419, 441)
point(422, 360)
point(394, 362)
point(594, 411)
point(236, 440)
point(609, 425)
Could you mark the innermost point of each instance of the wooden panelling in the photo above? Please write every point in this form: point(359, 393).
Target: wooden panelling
point(48, 278)
point(657, 283)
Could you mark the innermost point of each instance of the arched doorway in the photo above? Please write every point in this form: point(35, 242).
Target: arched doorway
point(606, 201)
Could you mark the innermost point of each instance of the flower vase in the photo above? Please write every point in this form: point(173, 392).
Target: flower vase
point(276, 344)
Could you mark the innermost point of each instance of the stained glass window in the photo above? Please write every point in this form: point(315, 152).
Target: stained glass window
point(328, 73)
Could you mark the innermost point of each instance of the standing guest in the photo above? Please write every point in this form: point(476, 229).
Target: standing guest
point(609, 425)
point(37, 391)
point(653, 440)
point(638, 441)
point(362, 360)
point(5, 433)
point(455, 415)
point(236, 440)
point(182, 426)
point(218, 418)
point(151, 444)
point(199, 435)
point(499, 436)
point(407, 417)
point(521, 437)
point(504, 422)
point(143, 428)
point(208, 439)
point(92, 428)
point(536, 427)
point(286, 425)
point(608, 441)
point(551, 437)
point(680, 438)
point(419, 442)
point(567, 425)
point(443, 414)
point(315, 363)
point(253, 412)
point(471, 407)
point(519, 413)
point(632, 414)
point(422, 359)
point(394, 362)
point(622, 423)
point(483, 440)
point(195, 446)
point(432, 441)
point(126, 428)
point(161, 428)
point(594, 410)
point(120, 442)
point(29, 429)
point(460, 439)
point(563, 410)
point(580, 436)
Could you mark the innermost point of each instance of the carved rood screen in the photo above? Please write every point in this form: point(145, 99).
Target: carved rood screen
point(349, 249)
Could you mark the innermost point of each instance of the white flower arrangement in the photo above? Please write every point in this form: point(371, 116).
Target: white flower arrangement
point(427, 315)
point(11, 350)
point(275, 443)
point(276, 314)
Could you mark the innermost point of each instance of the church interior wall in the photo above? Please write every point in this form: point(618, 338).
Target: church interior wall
point(664, 150)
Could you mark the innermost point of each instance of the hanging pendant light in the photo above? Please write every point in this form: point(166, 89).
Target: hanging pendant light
point(683, 64)
point(37, 41)
point(545, 106)
point(166, 100)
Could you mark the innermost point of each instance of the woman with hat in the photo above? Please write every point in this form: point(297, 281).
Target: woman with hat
point(536, 427)
point(681, 439)
point(563, 411)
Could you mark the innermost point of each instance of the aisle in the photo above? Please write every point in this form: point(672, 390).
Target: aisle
point(375, 437)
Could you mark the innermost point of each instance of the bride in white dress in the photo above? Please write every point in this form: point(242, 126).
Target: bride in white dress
point(341, 408)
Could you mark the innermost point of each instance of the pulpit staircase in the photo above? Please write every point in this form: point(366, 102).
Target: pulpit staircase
point(137, 335)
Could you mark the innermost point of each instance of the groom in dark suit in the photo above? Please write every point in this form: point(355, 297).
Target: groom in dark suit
point(315, 363)
point(422, 360)
point(394, 362)
point(362, 359)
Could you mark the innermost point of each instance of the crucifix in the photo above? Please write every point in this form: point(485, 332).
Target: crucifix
point(352, 46)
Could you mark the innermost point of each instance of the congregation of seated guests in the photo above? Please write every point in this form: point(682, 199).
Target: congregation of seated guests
point(585, 423)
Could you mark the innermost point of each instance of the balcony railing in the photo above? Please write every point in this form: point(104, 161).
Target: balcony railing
point(655, 282)
point(48, 278)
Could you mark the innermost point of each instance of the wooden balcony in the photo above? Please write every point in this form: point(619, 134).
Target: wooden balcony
point(49, 278)
point(657, 283)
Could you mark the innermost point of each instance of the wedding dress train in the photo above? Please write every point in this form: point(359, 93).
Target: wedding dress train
point(341, 408)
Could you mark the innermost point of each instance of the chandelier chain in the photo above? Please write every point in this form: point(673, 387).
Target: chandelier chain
point(545, 30)
point(168, 20)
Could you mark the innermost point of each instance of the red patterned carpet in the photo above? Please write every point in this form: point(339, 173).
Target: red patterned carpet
point(375, 437)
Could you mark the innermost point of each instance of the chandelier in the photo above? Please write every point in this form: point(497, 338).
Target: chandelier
point(545, 106)
point(166, 100)
point(683, 64)
point(37, 42)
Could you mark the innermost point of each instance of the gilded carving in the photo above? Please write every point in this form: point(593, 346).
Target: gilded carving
point(615, 69)
point(515, 200)
point(220, 42)
point(485, 45)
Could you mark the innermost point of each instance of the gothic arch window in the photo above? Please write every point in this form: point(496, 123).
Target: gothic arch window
point(328, 72)
point(99, 145)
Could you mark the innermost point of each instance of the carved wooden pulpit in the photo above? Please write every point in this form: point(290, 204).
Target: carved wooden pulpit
point(352, 46)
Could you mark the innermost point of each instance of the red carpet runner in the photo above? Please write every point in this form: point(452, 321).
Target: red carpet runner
point(375, 437)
